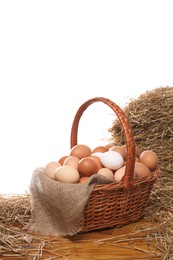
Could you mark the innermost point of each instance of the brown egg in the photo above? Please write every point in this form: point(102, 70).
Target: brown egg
point(87, 166)
point(80, 151)
point(72, 161)
point(141, 170)
point(50, 169)
point(106, 172)
point(149, 158)
point(62, 159)
point(100, 148)
point(120, 150)
point(118, 175)
point(96, 158)
point(83, 179)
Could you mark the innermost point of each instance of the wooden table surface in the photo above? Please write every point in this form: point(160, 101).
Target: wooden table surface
point(128, 242)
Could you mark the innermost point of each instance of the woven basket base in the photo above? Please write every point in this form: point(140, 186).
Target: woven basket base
point(115, 207)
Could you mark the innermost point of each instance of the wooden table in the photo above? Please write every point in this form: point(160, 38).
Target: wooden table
point(128, 242)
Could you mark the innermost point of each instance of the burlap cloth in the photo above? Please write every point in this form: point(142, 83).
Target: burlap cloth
point(57, 208)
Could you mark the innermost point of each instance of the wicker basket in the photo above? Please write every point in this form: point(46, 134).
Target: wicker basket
point(116, 204)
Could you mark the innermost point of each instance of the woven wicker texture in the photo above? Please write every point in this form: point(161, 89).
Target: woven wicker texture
point(116, 204)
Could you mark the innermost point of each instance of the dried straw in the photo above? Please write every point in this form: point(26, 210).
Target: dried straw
point(151, 118)
point(14, 214)
point(14, 240)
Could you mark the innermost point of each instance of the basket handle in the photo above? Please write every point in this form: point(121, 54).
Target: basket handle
point(130, 143)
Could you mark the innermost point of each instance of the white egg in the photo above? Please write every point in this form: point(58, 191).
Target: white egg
point(112, 160)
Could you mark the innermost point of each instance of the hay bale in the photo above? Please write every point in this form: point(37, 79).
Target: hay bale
point(151, 119)
point(14, 214)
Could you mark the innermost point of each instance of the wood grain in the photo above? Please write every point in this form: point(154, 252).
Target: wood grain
point(125, 243)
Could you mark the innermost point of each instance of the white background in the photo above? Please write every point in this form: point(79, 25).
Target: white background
point(55, 55)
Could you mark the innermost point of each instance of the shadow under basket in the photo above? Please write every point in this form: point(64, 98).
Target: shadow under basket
point(116, 204)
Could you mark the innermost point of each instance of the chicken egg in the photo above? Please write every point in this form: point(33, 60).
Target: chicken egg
point(62, 159)
point(72, 161)
point(120, 150)
point(149, 158)
point(96, 158)
point(106, 172)
point(141, 170)
point(100, 148)
point(112, 160)
point(118, 175)
point(80, 151)
point(67, 174)
point(50, 169)
point(87, 166)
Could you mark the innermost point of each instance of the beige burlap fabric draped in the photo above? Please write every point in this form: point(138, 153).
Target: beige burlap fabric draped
point(56, 207)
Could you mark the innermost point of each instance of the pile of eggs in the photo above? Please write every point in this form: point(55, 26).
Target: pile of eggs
point(108, 160)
